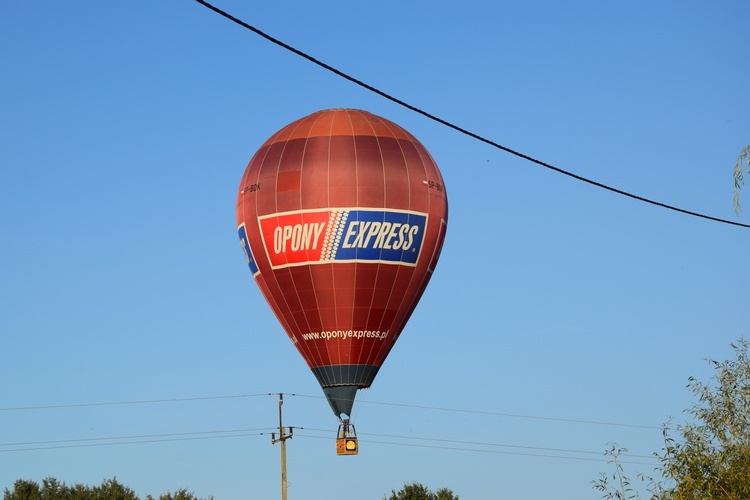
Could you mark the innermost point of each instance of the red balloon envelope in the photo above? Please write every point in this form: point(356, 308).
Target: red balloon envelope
point(341, 215)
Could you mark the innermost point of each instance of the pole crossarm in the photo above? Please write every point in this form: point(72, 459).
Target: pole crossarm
point(283, 436)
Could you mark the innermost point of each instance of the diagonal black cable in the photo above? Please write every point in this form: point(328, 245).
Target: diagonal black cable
point(456, 127)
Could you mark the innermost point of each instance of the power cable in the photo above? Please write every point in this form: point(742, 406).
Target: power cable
point(495, 452)
point(448, 444)
point(401, 405)
point(476, 443)
point(139, 436)
point(235, 433)
point(497, 414)
point(118, 403)
point(460, 129)
point(142, 439)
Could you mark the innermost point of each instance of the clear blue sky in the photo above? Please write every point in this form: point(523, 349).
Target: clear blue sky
point(125, 128)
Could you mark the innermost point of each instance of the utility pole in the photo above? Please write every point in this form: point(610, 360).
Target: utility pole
point(282, 439)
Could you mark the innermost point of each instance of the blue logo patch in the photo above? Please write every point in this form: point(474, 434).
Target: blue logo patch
point(246, 249)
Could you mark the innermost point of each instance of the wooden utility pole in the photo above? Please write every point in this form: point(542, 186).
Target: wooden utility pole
point(282, 439)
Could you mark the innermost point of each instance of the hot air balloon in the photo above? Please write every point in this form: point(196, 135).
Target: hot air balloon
point(341, 216)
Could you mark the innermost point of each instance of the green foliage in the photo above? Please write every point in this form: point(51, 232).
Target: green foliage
point(52, 489)
point(23, 490)
point(713, 458)
point(110, 489)
point(182, 494)
point(710, 458)
point(739, 178)
point(621, 490)
point(417, 491)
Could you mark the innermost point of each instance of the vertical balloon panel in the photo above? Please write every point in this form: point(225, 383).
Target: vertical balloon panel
point(342, 215)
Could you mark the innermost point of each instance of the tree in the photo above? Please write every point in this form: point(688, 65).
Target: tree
point(181, 494)
point(710, 458)
point(739, 178)
point(621, 489)
point(52, 489)
point(416, 491)
point(110, 489)
point(23, 490)
point(713, 459)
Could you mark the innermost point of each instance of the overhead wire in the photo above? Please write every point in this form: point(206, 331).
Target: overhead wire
point(139, 436)
point(475, 443)
point(137, 402)
point(310, 396)
point(497, 414)
point(401, 440)
point(461, 129)
point(447, 444)
point(495, 452)
point(129, 440)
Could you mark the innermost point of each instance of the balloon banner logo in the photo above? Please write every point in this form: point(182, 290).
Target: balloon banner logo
point(342, 235)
